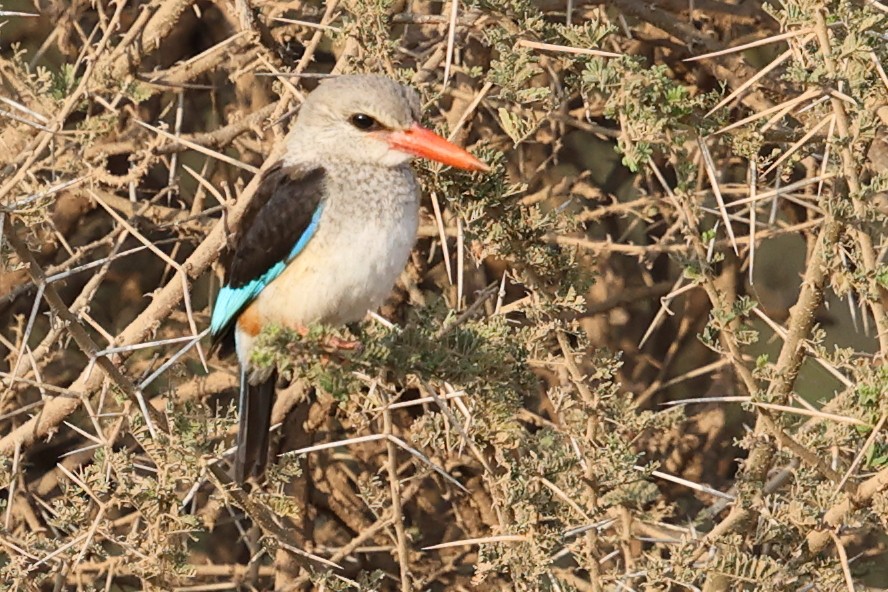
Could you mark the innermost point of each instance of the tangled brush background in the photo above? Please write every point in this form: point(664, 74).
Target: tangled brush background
point(646, 352)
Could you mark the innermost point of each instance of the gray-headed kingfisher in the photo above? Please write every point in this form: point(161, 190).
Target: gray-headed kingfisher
point(327, 232)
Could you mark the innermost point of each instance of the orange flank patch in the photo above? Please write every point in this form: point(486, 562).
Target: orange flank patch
point(248, 321)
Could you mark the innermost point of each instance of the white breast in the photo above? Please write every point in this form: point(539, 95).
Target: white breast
point(350, 266)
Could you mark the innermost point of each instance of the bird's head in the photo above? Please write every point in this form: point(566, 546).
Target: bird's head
point(374, 120)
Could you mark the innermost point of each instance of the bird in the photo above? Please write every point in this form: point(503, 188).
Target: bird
point(327, 232)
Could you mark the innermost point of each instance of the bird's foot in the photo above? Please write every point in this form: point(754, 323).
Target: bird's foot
point(332, 343)
point(338, 343)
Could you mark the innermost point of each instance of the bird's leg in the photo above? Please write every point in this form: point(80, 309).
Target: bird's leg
point(331, 342)
point(346, 344)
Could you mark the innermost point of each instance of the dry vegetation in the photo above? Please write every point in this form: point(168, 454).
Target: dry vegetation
point(706, 233)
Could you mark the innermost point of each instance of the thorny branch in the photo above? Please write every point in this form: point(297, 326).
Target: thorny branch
point(546, 459)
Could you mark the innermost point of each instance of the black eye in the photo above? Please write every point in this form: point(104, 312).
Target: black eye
point(363, 122)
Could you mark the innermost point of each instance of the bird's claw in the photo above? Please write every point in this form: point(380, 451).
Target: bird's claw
point(336, 343)
point(332, 343)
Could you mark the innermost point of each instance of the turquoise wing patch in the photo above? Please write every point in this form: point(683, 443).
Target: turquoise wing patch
point(231, 301)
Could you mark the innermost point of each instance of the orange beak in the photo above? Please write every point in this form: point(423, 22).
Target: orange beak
point(421, 142)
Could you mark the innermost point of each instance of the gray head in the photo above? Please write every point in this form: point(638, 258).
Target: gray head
point(368, 119)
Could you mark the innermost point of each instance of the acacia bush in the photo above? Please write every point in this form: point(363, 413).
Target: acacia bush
point(647, 351)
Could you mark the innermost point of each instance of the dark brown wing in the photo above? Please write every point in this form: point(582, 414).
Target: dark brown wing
point(279, 221)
